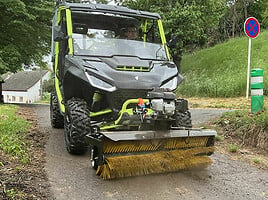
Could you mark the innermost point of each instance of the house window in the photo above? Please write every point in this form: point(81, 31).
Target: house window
point(21, 99)
point(13, 98)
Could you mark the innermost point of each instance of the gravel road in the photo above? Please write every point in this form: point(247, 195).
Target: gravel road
point(71, 177)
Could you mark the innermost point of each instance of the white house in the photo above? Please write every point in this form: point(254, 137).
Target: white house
point(24, 86)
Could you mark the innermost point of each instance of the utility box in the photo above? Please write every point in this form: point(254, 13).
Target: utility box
point(257, 100)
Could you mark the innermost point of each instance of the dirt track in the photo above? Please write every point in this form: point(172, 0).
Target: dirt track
point(71, 177)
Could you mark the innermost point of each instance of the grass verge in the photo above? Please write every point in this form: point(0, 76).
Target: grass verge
point(245, 128)
point(244, 136)
point(22, 156)
point(13, 129)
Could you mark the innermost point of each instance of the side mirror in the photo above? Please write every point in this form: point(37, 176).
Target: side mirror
point(173, 41)
point(58, 35)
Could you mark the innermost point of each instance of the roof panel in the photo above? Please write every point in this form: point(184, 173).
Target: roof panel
point(110, 9)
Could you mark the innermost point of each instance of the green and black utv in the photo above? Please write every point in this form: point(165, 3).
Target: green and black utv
point(115, 95)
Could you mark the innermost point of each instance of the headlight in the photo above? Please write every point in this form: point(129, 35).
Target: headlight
point(172, 84)
point(100, 84)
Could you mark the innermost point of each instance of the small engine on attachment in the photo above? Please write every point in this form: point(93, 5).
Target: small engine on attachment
point(162, 103)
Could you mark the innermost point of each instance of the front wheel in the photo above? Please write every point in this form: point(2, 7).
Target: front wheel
point(76, 125)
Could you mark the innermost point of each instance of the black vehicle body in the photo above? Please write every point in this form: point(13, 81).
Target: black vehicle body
point(109, 87)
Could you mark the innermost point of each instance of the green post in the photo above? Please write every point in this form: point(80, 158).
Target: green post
point(256, 90)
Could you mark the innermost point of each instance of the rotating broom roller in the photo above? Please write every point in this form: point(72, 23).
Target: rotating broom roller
point(256, 90)
point(154, 163)
point(136, 158)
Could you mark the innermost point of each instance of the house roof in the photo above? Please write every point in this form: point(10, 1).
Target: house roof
point(23, 80)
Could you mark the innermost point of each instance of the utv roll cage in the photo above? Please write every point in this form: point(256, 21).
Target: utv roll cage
point(113, 9)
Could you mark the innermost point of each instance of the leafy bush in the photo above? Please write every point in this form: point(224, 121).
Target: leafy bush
point(45, 98)
point(48, 85)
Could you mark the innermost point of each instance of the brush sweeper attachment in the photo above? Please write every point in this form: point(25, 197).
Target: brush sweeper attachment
point(157, 145)
point(134, 153)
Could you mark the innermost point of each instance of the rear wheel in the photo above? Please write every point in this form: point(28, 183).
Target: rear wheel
point(184, 119)
point(56, 119)
point(76, 125)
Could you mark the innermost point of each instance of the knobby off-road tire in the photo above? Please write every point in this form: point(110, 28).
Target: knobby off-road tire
point(184, 119)
point(56, 118)
point(76, 125)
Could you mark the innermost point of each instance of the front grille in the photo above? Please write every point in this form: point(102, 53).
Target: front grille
point(133, 68)
point(117, 98)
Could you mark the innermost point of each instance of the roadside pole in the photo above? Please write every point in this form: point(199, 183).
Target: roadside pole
point(249, 54)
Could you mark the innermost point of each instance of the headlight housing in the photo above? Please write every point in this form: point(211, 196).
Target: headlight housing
point(100, 84)
point(171, 84)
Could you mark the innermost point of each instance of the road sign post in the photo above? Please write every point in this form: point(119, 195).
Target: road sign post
point(252, 29)
point(249, 52)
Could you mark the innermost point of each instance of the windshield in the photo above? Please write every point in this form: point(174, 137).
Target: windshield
point(100, 34)
point(104, 44)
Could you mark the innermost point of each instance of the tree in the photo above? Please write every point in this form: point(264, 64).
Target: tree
point(232, 23)
point(259, 9)
point(25, 32)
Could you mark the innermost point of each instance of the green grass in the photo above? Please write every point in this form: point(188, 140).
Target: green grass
point(233, 148)
point(11, 193)
point(13, 129)
point(219, 138)
point(256, 160)
point(221, 71)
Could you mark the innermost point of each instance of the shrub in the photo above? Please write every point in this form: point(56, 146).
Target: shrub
point(48, 85)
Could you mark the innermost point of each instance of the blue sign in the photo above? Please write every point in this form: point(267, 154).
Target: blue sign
point(252, 27)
